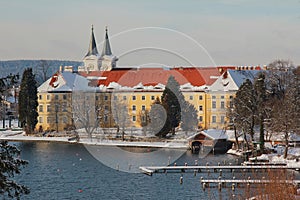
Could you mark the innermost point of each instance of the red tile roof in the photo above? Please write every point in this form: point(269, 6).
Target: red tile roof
point(154, 76)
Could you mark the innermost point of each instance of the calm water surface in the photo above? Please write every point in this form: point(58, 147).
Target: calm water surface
point(69, 171)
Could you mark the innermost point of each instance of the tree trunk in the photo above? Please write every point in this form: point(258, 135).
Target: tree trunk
point(173, 130)
point(123, 134)
point(245, 139)
point(261, 134)
point(286, 140)
point(236, 138)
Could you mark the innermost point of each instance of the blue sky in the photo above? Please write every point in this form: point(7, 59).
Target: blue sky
point(238, 32)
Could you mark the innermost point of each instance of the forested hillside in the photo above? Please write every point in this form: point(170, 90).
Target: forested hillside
point(41, 68)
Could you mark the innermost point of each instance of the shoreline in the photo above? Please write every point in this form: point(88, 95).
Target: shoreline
point(19, 137)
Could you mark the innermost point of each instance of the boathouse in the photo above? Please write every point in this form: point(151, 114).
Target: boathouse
point(214, 139)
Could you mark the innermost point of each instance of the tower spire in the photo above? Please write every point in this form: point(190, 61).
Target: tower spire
point(92, 46)
point(106, 46)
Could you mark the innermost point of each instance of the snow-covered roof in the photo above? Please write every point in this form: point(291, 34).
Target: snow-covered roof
point(65, 82)
point(231, 80)
point(215, 134)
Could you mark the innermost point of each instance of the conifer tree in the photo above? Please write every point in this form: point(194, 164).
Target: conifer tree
point(189, 119)
point(28, 101)
point(244, 109)
point(260, 95)
point(9, 166)
point(158, 117)
point(171, 100)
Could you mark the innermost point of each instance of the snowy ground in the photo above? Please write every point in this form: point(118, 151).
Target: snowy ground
point(20, 136)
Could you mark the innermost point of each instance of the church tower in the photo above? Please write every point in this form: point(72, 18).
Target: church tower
point(107, 59)
point(91, 59)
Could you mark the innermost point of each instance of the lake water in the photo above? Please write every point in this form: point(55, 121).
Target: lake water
point(69, 171)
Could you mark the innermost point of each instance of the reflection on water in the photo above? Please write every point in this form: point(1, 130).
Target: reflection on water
point(130, 160)
point(68, 171)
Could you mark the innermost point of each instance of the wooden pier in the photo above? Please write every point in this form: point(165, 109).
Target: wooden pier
point(149, 170)
point(234, 183)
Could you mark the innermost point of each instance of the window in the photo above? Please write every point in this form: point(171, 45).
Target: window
point(48, 97)
point(105, 97)
point(222, 119)
point(213, 97)
point(191, 97)
point(152, 98)
point(200, 108)
point(56, 108)
point(133, 107)
point(213, 105)
point(200, 97)
point(40, 96)
point(65, 120)
point(49, 120)
point(143, 98)
point(40, 119)
point(64, 107)
point(214, 119)
point(115, 98)
point(124, 97)
point(230, 97)
point(64, 97)
point(133, 97)
point(105, 118)
point(134, 118)
point(222, 97)
point(41, 108)
point(106, 108)
point(48, 108)
point(97, 98)
point(222, 104)
point(200, 119)
point(143, 107)
point(56, 97)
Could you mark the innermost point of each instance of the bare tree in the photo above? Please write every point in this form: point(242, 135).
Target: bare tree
point(120, 114)
point(144, 120)
point(43, 68)
point(86, 111)
point(284, 92)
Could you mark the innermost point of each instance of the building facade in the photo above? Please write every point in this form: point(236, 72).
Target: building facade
point(119, 95)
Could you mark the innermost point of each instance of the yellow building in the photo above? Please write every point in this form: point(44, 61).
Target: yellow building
point(116, 95)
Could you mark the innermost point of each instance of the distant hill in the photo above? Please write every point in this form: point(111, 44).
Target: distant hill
point(18, 66)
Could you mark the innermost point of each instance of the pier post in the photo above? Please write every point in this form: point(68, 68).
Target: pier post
point(233, 187)
point(203, 186)
point(181, 180)
point(220, 186)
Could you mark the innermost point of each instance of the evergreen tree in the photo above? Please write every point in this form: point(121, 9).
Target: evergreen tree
point(172, 99)
point(244, 110)
point(28, 101)
point(260, 94)
point(158, 117)
point(9, 166)
point(189, 119)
